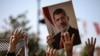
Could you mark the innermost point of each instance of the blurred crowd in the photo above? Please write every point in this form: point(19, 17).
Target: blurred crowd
point(18, 35)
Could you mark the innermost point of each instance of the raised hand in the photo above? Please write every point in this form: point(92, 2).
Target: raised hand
point(90, 44)
point(68, 43)
point(51, 52)
point(50, 40)
point(14, 38)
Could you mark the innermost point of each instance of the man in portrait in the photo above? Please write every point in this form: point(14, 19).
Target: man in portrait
point(61, 20)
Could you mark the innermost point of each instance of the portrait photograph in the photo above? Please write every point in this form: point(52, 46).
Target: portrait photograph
point(61, 18)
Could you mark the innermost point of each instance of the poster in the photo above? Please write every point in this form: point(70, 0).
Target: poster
point(61, 18)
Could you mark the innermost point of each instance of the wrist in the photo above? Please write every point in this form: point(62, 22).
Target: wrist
point(11, 48)
point(90, 54)
point(69, 52)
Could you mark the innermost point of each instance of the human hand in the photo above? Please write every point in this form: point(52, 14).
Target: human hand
point(68, 43)
point(50, 40)
point(90, 44)
point(14, 38)
point(51, 52)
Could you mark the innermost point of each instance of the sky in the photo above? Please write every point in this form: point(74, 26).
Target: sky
point(15, 7)
point(88, 10)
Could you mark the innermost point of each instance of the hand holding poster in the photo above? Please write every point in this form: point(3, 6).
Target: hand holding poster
point(60, 18)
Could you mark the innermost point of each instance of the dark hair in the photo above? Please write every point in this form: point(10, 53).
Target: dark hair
point(58, 11)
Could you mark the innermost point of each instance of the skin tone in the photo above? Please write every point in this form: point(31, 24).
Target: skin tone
point(68, 43)
point(90, 44)
point(61, 21)
point(51, 52)
point(14, 38)
point(50, 40)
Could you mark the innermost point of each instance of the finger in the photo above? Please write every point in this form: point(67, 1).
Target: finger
point(20, 34)
point(68, 36)
point(48, 49)
point(14, 34)
point(72, 38)
point(47, 52)
point(11, 37)
point(52, 40)
point(88, 41)
point(54, 52)
point(17, 31)
point(49, 37)
point(23, 34)
point(94, 42)
point(51, 52)
point(65, 36)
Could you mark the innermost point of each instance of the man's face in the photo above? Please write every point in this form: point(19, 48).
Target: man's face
point(61, 21)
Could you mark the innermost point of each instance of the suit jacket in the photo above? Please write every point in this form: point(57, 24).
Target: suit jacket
point(76, 41)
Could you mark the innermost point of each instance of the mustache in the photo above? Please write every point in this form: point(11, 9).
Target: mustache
point(63, 23)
